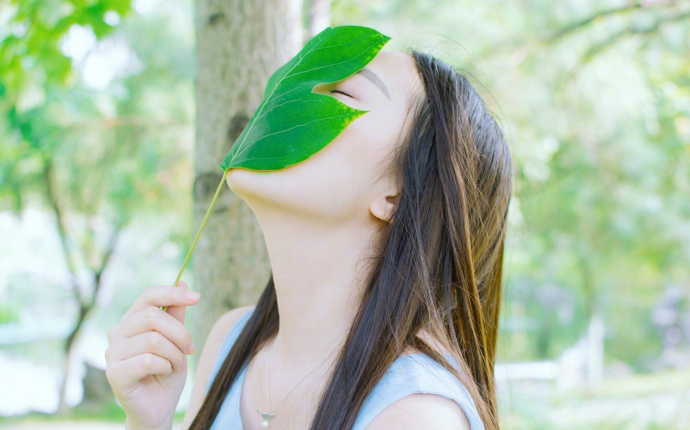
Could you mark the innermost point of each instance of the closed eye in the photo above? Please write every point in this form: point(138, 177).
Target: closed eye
point(338, 91)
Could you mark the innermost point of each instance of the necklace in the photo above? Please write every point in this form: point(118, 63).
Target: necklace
point(268, 415)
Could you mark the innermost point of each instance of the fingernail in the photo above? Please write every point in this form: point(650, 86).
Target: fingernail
point(191, 348)
point(191, 295)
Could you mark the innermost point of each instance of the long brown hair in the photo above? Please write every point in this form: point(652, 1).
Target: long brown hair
point(438, 264)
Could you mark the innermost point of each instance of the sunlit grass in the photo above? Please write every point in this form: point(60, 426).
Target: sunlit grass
point(651, 401)
point(110, 412)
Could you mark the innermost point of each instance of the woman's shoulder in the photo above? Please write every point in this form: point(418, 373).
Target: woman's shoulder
point(227, 321)
point(209, 354)
point(218, 334)
point(421, 410)
point(222, 327)
point(220, 338)
point(417, 387)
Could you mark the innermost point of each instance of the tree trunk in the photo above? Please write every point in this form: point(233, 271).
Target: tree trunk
point(239, 44)
point(318, 18)
point(595, 351)
point(595, 328)
point(68, 348)
point(85, 305)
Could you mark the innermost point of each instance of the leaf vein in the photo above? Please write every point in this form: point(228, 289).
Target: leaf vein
point(291, 128)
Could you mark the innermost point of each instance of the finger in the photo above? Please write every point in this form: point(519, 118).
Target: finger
point(178, 311)
point(162, 295)
point(150, 341)
point(132, 370)
point(155, 319)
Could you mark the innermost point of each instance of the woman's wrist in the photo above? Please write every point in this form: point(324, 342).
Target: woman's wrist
point(131, 425)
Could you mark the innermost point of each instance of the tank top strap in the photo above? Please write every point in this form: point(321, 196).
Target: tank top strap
point(226, 346)
point(417, 373)
point(409, 374)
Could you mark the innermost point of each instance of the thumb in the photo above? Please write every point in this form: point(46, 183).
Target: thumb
point(178, 311)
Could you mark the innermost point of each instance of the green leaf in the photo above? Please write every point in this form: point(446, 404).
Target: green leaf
point(292, 123)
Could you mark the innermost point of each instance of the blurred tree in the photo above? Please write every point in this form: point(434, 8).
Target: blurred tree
point(30, 54)
point(603, 172)
point(97, 157)
point(31, 61)
point(238, 46)
point(318, 18)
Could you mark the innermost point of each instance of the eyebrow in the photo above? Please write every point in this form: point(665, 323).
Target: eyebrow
point(374, 78)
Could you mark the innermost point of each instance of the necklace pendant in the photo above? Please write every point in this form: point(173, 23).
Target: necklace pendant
point(266, 416)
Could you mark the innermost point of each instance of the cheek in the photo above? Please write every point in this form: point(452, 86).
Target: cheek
point(326, 186)
point(361, 157)
point(332, 181)
point(333, 185)
point(374, 139)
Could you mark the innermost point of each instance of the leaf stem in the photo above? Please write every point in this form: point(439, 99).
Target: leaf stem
point(201, 228)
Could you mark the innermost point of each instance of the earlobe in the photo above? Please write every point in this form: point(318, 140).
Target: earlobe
point(384, 208)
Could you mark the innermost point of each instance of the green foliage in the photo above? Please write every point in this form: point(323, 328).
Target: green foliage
point(112, 154)
point(8, 314)
point(30, 51)
point(114, 149)
point(292, 122)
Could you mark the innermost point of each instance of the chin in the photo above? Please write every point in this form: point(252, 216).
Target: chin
point(281, 192)
point(239, 179)
point(253, 186)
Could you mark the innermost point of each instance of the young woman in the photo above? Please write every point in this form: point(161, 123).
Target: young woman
point(381, 311)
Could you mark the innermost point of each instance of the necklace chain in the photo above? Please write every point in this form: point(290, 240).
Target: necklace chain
point(268, 414)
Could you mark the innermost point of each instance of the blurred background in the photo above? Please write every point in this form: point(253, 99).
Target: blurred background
point(111, 114)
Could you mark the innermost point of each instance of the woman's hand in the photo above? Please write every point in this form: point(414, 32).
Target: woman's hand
point(146, 356)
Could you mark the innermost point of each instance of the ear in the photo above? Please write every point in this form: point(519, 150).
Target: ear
point(384, 207)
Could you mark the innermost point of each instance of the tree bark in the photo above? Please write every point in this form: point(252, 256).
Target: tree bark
point(239, 44)
point(68, 349)
point(318, 18)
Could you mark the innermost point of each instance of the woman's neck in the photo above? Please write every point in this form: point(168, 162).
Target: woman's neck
point(317, 272)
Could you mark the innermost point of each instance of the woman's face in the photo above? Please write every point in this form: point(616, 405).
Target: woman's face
point(344, 181)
